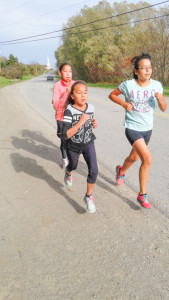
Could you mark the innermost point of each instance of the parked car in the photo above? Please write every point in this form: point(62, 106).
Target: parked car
point(50, 77)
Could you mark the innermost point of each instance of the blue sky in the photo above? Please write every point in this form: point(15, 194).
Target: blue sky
point(23, 18)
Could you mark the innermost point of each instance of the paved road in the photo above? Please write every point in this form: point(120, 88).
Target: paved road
point(112, 145)
point(50, 248)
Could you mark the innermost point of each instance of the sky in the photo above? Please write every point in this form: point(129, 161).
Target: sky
point(23, 18)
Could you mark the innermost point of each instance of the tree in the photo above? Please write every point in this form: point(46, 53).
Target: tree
point(98, 54)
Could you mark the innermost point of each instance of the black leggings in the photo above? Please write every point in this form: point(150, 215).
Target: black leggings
point(62, 143)
point(89, 155)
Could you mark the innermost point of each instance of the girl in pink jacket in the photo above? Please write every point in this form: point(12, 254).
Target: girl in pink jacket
point(61, 91)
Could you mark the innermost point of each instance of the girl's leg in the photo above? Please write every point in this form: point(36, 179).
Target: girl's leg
point(89, 155)
point(62, 143)
point(72, 165)
point(142, 150)
point(89, 188)
point(73, 158)
point(63, 149)
point(133, 156)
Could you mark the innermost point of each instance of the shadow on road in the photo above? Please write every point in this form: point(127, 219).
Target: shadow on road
point(28, 142)
point(34, 142)
point(30, 167)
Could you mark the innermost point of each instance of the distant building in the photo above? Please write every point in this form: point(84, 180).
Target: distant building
point(48, 67)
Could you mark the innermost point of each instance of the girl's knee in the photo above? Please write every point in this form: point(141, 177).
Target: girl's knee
point(147, 160)
point(71, 167)
point(92, 176)
point(133, 158)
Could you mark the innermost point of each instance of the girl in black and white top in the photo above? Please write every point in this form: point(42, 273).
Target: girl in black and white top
point(78, 122)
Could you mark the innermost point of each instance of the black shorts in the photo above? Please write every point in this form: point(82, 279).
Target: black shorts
point(133, 135)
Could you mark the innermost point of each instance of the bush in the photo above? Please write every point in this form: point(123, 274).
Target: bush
point(12, 72)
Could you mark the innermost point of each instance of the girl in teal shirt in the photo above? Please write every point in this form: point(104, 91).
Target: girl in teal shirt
point(141, 95)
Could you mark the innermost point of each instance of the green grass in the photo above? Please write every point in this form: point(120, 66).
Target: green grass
point(4, 81)
point(26, 77)
point(102, 85)
point(166, 91)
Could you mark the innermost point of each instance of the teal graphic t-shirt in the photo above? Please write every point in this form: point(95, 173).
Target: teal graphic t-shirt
point(143, 100)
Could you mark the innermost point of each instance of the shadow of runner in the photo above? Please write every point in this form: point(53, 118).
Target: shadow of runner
point(41, 150)
point(29, 166)
point(109, 189)
point(49, 151)
point(37, 136)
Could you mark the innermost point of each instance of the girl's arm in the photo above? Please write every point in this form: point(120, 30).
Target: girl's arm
point(70, 132)
point(161, 102)
point(114, 97)
point(56, 96)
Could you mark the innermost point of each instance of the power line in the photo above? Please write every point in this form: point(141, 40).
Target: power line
point(87, 31)
point(85, 24)
point(46, 13)
point(17, 7)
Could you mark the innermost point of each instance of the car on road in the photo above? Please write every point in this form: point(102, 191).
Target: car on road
point(50, 77)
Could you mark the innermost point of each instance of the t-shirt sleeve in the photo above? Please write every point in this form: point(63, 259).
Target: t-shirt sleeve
point(159, 88)
point(123, 87)
point(67, 123)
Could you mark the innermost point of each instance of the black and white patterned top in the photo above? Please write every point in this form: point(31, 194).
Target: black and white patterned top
point(84, 135)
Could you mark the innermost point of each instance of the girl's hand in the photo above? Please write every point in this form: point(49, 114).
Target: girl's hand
point(68, 90)
point(161, 102)
point(159, 96)
point(83, 118)
point(127, 106)
point(94, 123)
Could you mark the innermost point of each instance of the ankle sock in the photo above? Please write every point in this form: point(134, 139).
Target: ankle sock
point(88, 196)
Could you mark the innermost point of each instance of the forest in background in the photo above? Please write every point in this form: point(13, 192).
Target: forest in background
point(100, 51)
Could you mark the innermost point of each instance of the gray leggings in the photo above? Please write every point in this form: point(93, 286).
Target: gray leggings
point(89, 155)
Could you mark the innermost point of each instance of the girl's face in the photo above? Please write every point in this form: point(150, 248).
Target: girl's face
point(66, 73)
point(144, 70)
point(79, 95)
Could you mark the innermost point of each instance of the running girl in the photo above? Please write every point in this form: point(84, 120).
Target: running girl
point(61, 91)
point(77, 132)
point(141, 94)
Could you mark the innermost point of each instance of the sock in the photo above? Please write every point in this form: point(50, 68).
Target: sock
point(88, 196)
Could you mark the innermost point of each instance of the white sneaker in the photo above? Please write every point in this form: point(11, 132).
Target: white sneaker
point(64, 163)
point(90, 204)
point(68, 179)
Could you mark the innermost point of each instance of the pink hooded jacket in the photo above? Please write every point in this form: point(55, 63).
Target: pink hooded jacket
point(60, 96)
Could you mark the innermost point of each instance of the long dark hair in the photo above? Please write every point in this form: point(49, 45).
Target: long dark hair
point(135, 62)
point(70, 100)
point(62, 65)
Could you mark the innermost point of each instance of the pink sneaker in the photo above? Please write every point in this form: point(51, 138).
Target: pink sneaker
point(143, 201)
point(119, 177)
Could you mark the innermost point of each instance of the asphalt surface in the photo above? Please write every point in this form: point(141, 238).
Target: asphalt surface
point(50, 247)
point(111, 144)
